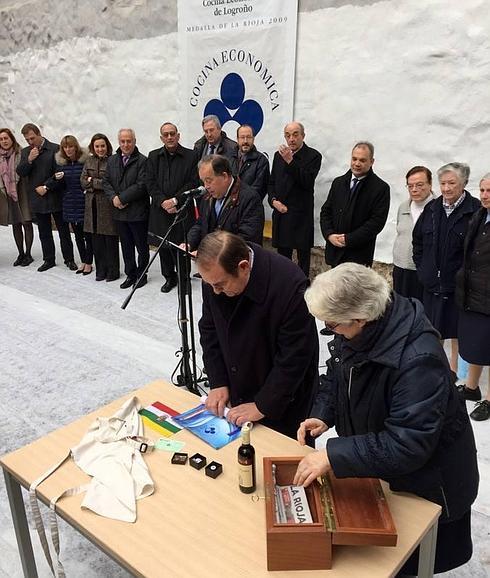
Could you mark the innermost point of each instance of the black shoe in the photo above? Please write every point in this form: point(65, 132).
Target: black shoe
point(169, 285)
point(100, 276)
point(71, 265)
point(27, 261)
point(19, 260)
point(468, 393)
point(481, 411)
point(46, 265)
point(110, 278)
point(128, 282)
point(142, 282)
point(84, 273)
point(326, 331)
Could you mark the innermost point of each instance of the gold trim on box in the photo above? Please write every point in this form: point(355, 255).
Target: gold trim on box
point(327, 503)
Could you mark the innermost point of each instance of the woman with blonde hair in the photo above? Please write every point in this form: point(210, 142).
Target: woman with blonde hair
point(14, 203)
point(70, 160)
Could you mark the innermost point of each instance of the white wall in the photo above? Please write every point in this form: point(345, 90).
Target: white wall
point(410, 76)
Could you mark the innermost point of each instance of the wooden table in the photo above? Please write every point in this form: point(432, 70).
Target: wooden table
point(194, 525)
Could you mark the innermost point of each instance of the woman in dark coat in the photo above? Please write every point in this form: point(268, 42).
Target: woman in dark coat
point(473, 299)
point(390, 394)
point(98, 219)
point(438, 239)
point(14, 202)
point(70, 160)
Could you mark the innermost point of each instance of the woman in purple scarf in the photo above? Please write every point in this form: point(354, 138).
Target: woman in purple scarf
point(14, 204)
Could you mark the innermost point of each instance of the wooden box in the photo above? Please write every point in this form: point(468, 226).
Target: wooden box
point(350, 511)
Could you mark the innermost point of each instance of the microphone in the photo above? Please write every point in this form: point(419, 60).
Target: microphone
point(195, 193)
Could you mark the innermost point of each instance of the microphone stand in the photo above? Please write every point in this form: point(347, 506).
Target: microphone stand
point(187, 364)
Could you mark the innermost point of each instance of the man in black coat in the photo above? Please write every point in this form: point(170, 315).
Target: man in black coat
point(249, 164)
point(260, 346)
point(291, 189)
point(214, 141)
point(125, 186)
point(231, 205)
point(37, 165)
point(170, 171)
point(355, 211)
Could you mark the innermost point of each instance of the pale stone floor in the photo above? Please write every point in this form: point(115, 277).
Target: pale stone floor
point(68, 348)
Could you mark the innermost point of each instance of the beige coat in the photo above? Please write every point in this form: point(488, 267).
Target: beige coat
point(5, 218)
point(95, 168)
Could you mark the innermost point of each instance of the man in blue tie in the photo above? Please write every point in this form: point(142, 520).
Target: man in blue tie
point(230, 204)
point(355, 211)
point(214, 140)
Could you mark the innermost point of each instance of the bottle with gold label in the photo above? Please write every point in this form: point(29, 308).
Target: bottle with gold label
point(246, 462)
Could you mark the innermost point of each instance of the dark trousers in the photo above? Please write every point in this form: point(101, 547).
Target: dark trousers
point(46, 236)
point(167, 263)
point(134, 235)
point(106, 254)
point(84, 243)
point(303, 257)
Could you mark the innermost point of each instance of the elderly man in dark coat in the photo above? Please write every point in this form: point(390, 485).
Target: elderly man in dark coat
point(231, 205)
point(355, 211)
point(37, 165)
point(170, 171)
point(260, 346)
point(249, 164)
point(125, 186)
point(291, 189)
point(214, 140)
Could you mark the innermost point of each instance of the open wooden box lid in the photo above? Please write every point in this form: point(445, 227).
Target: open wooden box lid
point(354, 510)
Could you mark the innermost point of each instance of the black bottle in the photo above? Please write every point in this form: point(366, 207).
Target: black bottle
point(246, 462)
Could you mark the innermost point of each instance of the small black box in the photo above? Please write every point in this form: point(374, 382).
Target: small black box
point(214, 469)
point(197, 461)
point(179, 458)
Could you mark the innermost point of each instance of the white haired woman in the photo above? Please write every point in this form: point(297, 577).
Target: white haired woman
point(438, 240)
point(390, 394)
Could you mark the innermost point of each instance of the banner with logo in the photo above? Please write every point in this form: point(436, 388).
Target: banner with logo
point(237, 61)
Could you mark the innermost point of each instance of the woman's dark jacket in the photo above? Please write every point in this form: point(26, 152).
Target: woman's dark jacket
point(438, 243)
point(391, 396)
point(473, 279)
point(70, 187)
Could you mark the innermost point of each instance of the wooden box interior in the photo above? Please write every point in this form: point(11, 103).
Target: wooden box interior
point(359, 512)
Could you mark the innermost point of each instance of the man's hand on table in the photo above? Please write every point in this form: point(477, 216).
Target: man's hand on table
point(243, 413)
point(217, 400)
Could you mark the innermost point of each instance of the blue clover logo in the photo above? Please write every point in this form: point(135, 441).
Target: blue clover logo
point(232, 94)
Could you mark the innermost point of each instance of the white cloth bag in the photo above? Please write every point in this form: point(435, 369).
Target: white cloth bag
point(119, 475)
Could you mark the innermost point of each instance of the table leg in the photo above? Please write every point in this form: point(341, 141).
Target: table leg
point(21, 527)
point(427, 553)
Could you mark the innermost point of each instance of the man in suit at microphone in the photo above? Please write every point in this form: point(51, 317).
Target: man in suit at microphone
point(229, 204)
point(170, 171)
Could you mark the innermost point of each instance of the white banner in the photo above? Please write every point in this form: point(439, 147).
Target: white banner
point(237, 61)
